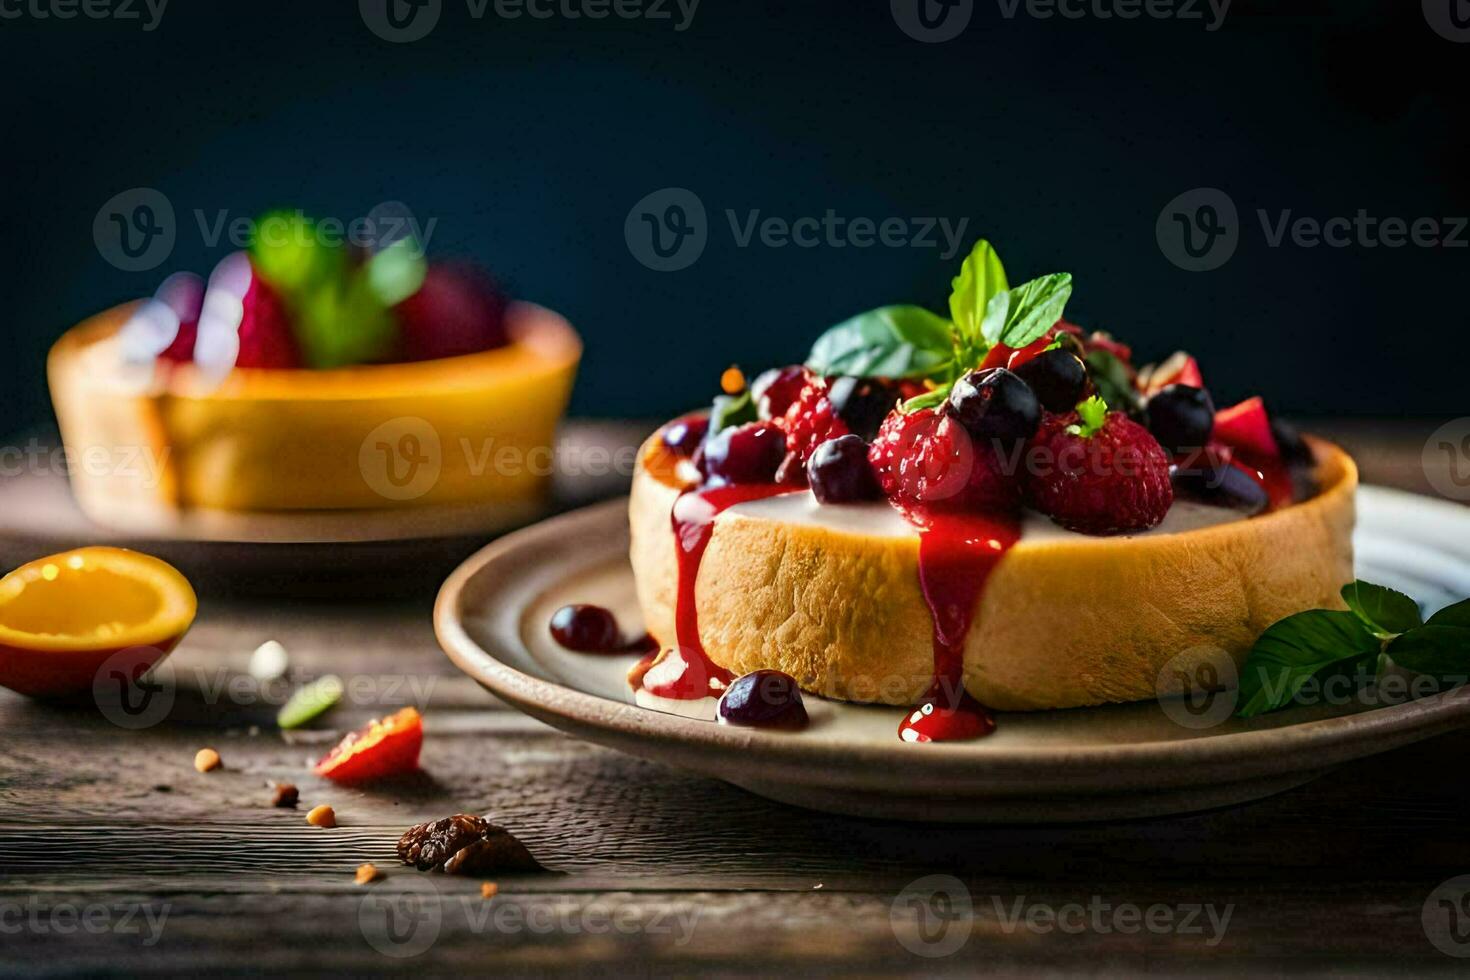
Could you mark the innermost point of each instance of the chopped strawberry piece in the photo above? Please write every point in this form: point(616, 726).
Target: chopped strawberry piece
point(1030, 351)
point(457, 310)
point(1247, 427)
point(381, 748)
point(1178, 369)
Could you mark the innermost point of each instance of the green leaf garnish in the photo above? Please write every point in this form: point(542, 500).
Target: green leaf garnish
point(731, 410)
point(1093, 414)
point(310, 702)
point(1456, 615)
point(1110, 377)
point(1016, 317)
point(889, 342)
point(1296, 649)
point(1440, 651)
point(1384, 611)
point(981, 277)
point(397, 272)
point(928, 399)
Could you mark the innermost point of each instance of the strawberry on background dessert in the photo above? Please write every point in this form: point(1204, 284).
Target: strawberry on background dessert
point(979, 432)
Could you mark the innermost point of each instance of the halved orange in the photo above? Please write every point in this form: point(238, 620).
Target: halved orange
point(63, 616)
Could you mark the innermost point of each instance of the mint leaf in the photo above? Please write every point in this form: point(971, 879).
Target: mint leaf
point(889, 342)
point(1110, 377)
point(731, 410)
point(1385, 611)
point(981, 277)
point(1094, 414)
point(397, 272)
point(1295, 649)
point(1456, 615)
point(928, 399)
point(1018, 316)
point(1441, 651)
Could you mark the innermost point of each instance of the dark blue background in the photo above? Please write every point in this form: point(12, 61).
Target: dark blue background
point(529, 142)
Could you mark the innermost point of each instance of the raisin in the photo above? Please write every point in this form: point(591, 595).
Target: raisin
point(464, 845)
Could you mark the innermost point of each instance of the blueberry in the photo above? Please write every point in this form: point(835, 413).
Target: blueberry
point(589, 629)
point(1294, 449)
point(994, 404)
point(1058, 378)
point(840, 473)
point(747, 453)
point(1181, 418)
point(1219, 484)
point(683, 436)
point(763, 699)
point(863, 403)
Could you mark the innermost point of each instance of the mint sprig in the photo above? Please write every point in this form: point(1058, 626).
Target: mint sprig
point(1381, 627)
point(912, 343)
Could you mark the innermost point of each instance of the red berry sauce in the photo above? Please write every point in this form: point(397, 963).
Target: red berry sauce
point(685, 672)
point(957, 553)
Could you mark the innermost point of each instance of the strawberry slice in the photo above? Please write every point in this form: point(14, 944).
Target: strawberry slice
point(1247, 427)
point(381, 748)
point(1178, 369)
point(266, 340)
point(457, 310)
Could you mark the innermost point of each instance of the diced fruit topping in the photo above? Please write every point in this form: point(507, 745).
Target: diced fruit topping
point(265, 331)
point(839, 471)
point(776, 389)
point(1209, 478)
point(747, 453)
point(381, 748)
point(1057, 377)
point(763, 699)
point(995, 406)
point(1248, 428)
point(1181, 418)
point(1178, 369)
point(683, 436)
point(928, 457)
point(1108, 481)
point(458, 310)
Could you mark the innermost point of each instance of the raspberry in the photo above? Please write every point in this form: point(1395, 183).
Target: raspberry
point(265, 333)
point(776, 389)
point(810, 420)
point(929, 458)
point(458, 310)
point(1113, 481)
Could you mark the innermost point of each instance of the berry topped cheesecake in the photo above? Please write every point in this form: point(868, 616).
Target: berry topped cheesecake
point(991, 510)
point(309, 376)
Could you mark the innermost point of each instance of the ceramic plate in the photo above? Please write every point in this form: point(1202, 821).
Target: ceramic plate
point(1055, 766)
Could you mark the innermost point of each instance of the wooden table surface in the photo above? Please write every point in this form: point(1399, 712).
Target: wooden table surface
point(117, 856)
